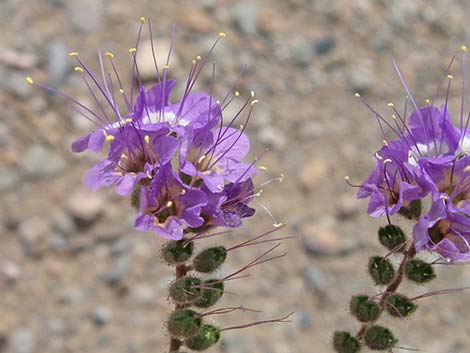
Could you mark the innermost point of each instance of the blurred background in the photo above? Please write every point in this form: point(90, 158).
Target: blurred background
point(75, 276)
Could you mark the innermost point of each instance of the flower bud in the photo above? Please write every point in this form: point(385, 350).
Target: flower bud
point(418, 271)
point(343, 342)
point(182, 291)
point(363, 309)
point(177, 251)
point(381, 270)
point(379, 338)
point(391, 236)
point(207, 337)
point(210, 259)
point(210, 296)
point(184, 323)
point(399, 305)
point(412, 211)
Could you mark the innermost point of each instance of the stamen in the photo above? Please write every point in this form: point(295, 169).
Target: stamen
point(109, 138)
point(73, 53)
point(254, 102)
point(77, 69)
point(109, 55)
point(29, 80)
point(169, 204)
point(142, 20)
point(236, 93)
point(132, 50)
point(357, 95)
point(222, 35)
point(147, 139)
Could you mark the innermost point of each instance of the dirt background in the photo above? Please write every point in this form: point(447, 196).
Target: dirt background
point(75, 277)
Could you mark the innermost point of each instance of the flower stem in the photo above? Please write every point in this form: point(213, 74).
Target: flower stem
point(391, 288)
point(176, 343)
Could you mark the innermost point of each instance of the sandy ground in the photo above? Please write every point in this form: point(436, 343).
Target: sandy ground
point(75, 276)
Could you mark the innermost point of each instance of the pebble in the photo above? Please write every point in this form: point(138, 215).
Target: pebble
point(23, 340)
point(39, 161)
point(320, 239)
point(324, 45)
point(121, 246)
point(304, 319)
point(14, 82)
point(58, 62)
point(69, 296)
point(8, 179)
point(199, 21)
point(144, 294)
point(315, 281)
point(119, 269)
point(85, 15)
point(63, 222)
point(347, 206)
point(33, 232)
point(145, 58)
point(361, 76)
point(313, 173)
point(85, 207)
point(272, 136)
point(101, 315)
point(245, 17)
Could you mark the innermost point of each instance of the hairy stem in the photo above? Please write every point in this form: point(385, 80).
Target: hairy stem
point(176, 343)
point(391, 288)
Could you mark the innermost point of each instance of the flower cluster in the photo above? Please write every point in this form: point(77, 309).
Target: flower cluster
point(428, 158)
point(183, 167)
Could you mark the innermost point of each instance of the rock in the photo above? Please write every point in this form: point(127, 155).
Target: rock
point(302, 53)
point(315, 281)
point(304, 318)
point(34, 232)
point(199, 21)
point(23, 340)
point(58, 62)
point(322, 239)
point(144, 294)
point(360, 76)
point(145, 58)
point(18, 60)
point(14, 82)
point(347, 207)
point(63, 222)
point(85, 15)
point(313, 173)
point(245, 17)
point(324, 45)
point(101, 315)
point(8, 179)
point(69, 296)
point(235, 343)
point(119, 269)
point(11, 272)
point(272, 136)
point(121, 246)
point(39, 161)
point(85, 207)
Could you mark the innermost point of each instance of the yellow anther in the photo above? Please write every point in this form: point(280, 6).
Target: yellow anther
point(166, 67)
point(121, 91)
point(346, 177)
point(147, 138)
point(109, 54)
point(128, 120)
point(142, 20)
point(388, 160)
point(236, 93)
point(222, 34)
point(262, 167)
point(201, 158)
point(198, 57)
point(464, 48)
point(394, 117)
point(109, 138)
point(252, 93)
point(183, 192)
point(193, 62)
point(357, 95)
point(169, 204)
point(428, 101)
point(132, 50)
point(450, 77)
point(378, 156)
point(29, 80)
point(73, 53)
point(277, 224)
point(254, 102)
point(78, 69)
point(391, 105)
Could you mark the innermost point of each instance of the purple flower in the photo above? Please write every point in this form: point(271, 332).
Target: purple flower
point(176, 154)
point(167, 206)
